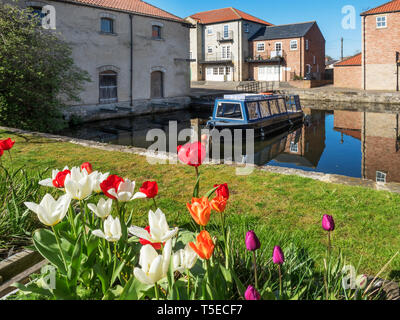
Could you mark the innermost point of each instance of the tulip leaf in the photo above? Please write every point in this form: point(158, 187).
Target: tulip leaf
point(239, 284)
point(211, 192)
point(34, 288)
point(134, 290)
point(117, 271)
point(76, 259)
point(102, 275)
point(197, 188)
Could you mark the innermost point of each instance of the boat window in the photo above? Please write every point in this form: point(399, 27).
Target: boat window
point(282, 105)
point(264, 109)
point(252, 108)
point(274, 107)
point(229, 110)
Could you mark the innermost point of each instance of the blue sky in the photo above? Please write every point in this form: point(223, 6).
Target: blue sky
point(328, 14)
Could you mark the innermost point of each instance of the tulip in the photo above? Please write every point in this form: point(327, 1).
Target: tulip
point(97, 178)
point(111, 183)
point(50, 211)
point(252, 242)
point(252, 294)
point(218, 204)
point(49, 182)
point(6, 144)
point(204, 245)
point(144, 242)
point(150, 189)
point(87, 166)
point(184, 259)
point(200, 210)
point(328, 224)
point(153, 267)
point(222, 191)
point(278, 258)
point(192, 154)
point(59, 180)
point(159, 229)
point(102, 209)
point(362, 281)
point(78, 184)
point(112, 230)
point(123, 191)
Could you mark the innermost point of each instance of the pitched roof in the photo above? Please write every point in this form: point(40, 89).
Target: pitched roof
point(133, 6)
point(225, 14)
point(392, 6)
point(286, 31)
point(352, 61)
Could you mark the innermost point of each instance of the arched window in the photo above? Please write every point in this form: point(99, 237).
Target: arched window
point(108, 87)
point(157, 84)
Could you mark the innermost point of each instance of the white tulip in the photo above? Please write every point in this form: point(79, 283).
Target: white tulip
point(78, 184)
point(97, 178)
point(50, 212)
point(159, 229)
point(49, 181)
point(102, 209)
point(184, 259)
point(125, 192)
point(112, 230)
point(154, 267)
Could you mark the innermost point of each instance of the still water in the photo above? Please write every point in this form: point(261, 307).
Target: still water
point(352, 143)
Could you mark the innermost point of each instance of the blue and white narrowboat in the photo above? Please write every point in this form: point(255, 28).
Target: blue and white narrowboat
point(265, 114)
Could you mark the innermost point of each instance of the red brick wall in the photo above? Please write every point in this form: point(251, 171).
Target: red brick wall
point(348, 77)
point(348, 120)
point(316, 48)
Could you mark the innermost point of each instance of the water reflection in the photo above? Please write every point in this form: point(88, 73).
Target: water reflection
point(352, 143)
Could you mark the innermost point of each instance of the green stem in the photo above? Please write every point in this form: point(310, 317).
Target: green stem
point(188, 284)
point(155, 204)
point(83, 213)
point(71, 220)
point(280, 280)
point(156, 291)
point(329, 243)
point(255, 269)
point(115, 261)
point(59, 246)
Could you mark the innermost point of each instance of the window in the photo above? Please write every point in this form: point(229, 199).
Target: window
point(210, 31)
point(209, 71)
point(274, 107)
point(229, 111)
point(215, 71)
point(210, 49)
point(264, 109)
point(226, 52)
point(221, 71)
point(307, 45)
point(252, 108)
point(107, 25)
point(314, 60)
point(294, 147)
point(381, 176)
point(226, 31)
point(156, 32)
point(293, 45)
point(260, 47)
point(282, 105)
point(108, 87)
point(190, 55)
point(228, 71)
point(278, 46)
point(381, 22)
point(246, 28)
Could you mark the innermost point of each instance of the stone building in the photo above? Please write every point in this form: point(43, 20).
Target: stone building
point(282, 52)
point(219, 44)
point(136, 54)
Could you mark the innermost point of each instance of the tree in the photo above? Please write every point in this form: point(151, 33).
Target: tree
point(37, 73)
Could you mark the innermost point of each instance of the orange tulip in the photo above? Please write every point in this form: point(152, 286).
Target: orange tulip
point(218, 204)
point(204, 245)
point(200, 210)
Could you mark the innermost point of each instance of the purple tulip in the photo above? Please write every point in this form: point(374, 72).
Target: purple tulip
point(252, 294)
point(278, 257)
point(328, 223)
point(252, 242)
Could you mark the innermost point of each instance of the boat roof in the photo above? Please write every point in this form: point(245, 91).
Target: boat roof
point(247, 97)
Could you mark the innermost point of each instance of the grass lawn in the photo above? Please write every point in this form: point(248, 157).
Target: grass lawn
point(367, 221)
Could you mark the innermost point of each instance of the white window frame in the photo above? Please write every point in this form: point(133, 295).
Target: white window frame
point(258, 47)
point(381, 176)
point(227, 53)
point(382, 22)
point(294, 42)
point(294, 147)
point(226, 29)
point(281, 44)
point(210, 31)
point(210, 51)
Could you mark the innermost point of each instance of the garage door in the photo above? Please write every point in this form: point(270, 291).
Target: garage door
point(219, 73)
point(268, 73)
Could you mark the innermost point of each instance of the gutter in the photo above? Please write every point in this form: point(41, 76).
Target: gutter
point(364, 54)
point(131, 60)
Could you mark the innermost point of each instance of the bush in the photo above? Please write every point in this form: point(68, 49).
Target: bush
point(37, 73)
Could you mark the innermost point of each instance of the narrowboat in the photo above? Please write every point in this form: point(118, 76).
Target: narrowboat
point(265, 114)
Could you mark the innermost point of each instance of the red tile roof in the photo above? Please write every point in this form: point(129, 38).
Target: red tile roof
point(133, 6)
point(225, 14)
point(391, 6)
point(353, 61)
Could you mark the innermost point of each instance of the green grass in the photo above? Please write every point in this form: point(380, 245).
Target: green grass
point(368, 221)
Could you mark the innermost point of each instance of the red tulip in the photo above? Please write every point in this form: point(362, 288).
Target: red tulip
point(150, 189)
point(59, 180)
point(156, 246)
point(112, 182)
point(192, 154)
point(218, 204)
point(278, 257)
point(222, 191)
point(87, 166)
point(6, 144)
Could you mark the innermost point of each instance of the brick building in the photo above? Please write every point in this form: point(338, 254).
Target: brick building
point(348, 73)
point(280, 53)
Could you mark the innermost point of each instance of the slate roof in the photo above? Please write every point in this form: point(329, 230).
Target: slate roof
point(392, 6)
point(352, 61)
point(133, 6)
point(225, 14)
point(287, 31)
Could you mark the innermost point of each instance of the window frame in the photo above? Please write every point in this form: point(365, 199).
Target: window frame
point(381, 22)
point(263, 45)
point(225, 30)
point(108, 73)
point(159, 33)
point(383, 178)
point(112, 25)
point(234, 119)
point(210, 31)
point(294, 147)
point(208, 50)
point(281, 45)
point(297, 45)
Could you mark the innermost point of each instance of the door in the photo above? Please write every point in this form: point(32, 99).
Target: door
point(219, 73)
point(157, 85)
point(268, 73)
